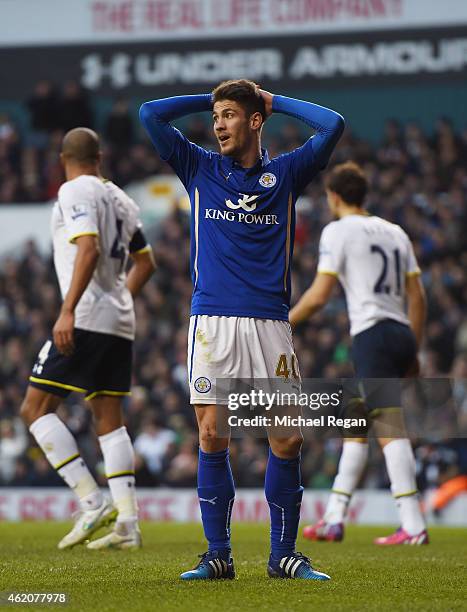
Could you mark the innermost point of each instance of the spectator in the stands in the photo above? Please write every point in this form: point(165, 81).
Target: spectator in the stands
point(119, 128)
point(74, 107)
point(43, 108)
point(155, 444)
point(184, 466)
point(13, 443)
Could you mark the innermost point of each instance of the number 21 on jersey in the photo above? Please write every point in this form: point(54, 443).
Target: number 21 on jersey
point(384, 282)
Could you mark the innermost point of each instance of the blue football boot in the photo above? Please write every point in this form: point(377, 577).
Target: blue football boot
point(295, 565)
point(212, 566)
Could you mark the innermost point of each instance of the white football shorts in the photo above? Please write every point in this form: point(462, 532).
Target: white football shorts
point(232, 348)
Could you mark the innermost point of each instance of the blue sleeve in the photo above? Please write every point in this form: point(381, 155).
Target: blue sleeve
point(306, 161)
point(169, 142)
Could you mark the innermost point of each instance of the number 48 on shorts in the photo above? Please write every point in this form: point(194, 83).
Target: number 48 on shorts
point(287, 366)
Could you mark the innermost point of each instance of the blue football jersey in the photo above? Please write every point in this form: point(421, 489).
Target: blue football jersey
point(243, 219)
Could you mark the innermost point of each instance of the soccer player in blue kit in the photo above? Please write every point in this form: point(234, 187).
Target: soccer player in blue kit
point(242, 236)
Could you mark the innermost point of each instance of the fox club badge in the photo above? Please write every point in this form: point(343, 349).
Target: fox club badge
point(202, 384)
point(268, 179)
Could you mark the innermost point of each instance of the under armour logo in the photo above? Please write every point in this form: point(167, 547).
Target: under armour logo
point(243, 203)
point(209, 501)
point(95, 70)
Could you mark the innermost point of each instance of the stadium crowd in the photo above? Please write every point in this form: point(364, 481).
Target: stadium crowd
point(418, 181)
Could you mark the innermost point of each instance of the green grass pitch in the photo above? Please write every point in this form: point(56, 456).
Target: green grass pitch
point(432, 577)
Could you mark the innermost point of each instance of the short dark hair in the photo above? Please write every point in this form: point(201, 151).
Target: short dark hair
point(81, 145)
point(244, 92)
point(349, 182)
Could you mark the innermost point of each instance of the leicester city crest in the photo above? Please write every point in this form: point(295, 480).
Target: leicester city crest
point(268, 179)
point(202, 384)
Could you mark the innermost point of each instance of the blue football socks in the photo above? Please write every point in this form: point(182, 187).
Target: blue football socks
point(216, 493)
point(284, 495)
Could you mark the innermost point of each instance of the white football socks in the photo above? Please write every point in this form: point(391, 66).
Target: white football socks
point(351, 466)
point(119, 461)
point(400, 463)
point(60, 448)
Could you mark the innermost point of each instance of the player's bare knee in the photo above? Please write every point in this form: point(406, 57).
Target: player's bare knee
point(288, 447)
point(35, 405)
point(102, 424)
point(107, 414)
point(207, 433)
point(207, 421)
point(25, 411)
point(293, 445)
point(209, 440)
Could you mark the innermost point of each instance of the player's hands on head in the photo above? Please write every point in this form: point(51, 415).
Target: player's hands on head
point(63, 332)
point(267, 97)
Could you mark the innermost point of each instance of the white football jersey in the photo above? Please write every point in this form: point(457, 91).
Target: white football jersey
point(372, 259)
point(89, 206)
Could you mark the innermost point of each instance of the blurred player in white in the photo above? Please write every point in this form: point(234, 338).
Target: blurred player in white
point(95, 227)
point(376, 266)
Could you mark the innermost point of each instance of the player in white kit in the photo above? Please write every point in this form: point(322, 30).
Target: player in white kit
point(376, 266)
point(95, 227)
